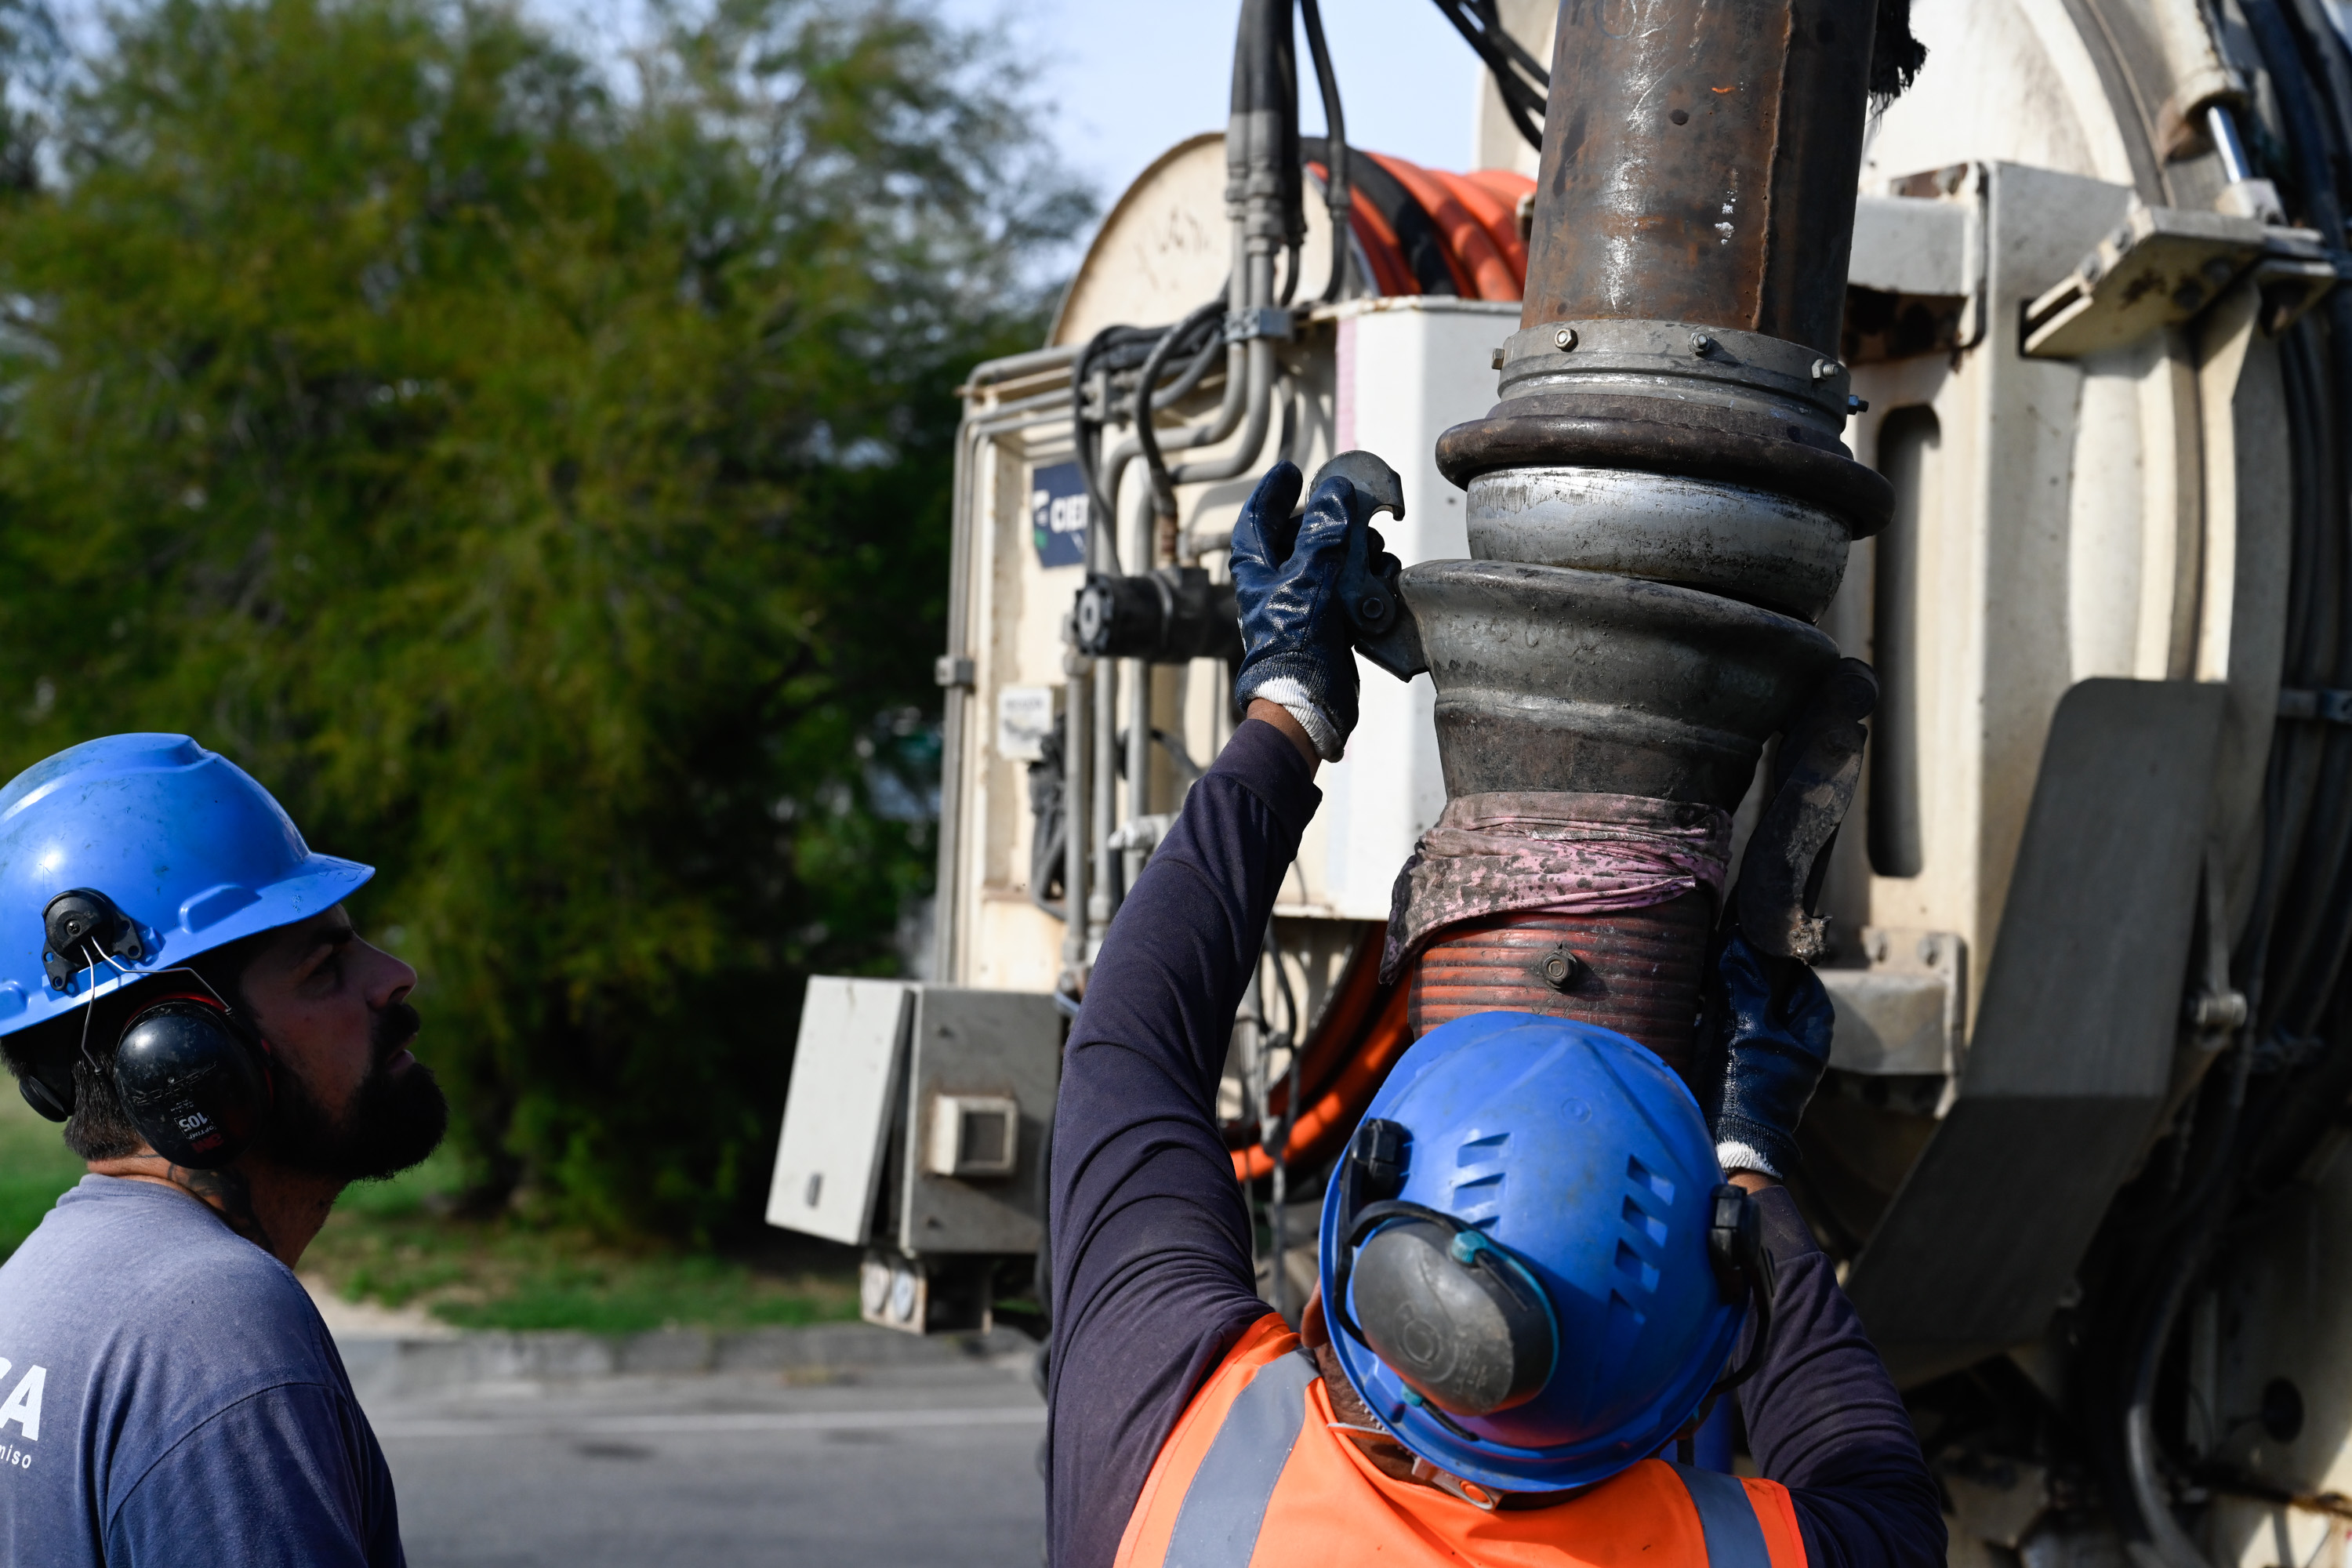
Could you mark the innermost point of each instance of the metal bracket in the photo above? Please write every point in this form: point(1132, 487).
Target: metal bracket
point(955, 670)
point(2162, 267)
point(1273, 321)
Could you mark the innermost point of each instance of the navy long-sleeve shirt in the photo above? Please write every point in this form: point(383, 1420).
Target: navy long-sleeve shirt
point(1152, 1277)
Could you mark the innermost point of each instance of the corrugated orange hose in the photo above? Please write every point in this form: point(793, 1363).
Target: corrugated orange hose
point(1478, 267)
point(1330, 1117)
point(1492, 196)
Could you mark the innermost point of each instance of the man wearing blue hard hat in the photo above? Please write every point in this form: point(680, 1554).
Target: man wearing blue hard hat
point(179, 986)
point(1534, 1274)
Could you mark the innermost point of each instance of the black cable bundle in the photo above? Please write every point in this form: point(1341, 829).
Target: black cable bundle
point(1519, 77)
point(2283, 1083)
point(1337, 200)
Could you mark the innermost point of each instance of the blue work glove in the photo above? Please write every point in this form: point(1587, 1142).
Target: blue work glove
point(1297, 648)
point(1763, 1044)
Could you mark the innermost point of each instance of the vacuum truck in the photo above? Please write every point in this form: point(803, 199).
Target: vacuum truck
point(1995, 345)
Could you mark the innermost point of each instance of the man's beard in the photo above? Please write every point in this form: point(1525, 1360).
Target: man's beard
point(389, 1124)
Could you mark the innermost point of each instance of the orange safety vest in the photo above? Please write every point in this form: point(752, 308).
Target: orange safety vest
point(1255, 1474)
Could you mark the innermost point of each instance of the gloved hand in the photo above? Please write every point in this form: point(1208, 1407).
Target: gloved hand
point(1296, 644)
point(1763, 1044)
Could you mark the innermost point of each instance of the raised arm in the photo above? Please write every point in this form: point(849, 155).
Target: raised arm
point(1152, 1277)
point(1152, 1273)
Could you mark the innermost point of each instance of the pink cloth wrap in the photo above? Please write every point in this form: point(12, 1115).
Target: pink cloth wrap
point(1546, 853)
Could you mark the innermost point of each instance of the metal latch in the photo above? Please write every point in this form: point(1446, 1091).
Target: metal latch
point(1385, 631)
point(974, 1135)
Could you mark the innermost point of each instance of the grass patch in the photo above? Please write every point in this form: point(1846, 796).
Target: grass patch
point(35, 1167)
point(389, 1242)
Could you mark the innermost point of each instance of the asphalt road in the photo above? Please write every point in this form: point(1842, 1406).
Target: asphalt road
point(934, 1466)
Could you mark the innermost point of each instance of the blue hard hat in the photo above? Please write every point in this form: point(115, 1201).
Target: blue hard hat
point(180, 840)
point(1582, 1160)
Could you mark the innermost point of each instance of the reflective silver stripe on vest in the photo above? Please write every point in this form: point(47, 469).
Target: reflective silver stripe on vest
point(1734, 1537)
point(1224, 1507)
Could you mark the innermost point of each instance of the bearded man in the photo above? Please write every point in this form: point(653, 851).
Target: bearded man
point(179, 985)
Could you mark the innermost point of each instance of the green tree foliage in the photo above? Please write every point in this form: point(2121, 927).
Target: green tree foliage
point(542, 486)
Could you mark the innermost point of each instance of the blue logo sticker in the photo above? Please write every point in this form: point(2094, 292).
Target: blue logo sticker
point(1057, 515)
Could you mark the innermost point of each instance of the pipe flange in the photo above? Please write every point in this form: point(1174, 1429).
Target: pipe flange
point(1757, 546)
point(1553, 679)
point(1785, 463)
point(1683, 361)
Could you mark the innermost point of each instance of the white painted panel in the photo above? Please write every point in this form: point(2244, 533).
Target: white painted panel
point(837, 1112)
point(1411, 368)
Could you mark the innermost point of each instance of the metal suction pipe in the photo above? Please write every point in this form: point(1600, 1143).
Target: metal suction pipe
point(1660, 505)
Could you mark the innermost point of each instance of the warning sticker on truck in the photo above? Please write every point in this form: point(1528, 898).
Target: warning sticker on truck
point(1057, 515)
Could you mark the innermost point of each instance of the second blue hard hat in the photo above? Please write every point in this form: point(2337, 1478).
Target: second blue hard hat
point(180, 840)
point(1573, 1169)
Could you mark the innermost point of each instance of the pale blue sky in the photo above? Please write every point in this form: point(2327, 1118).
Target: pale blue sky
point(1129, 77)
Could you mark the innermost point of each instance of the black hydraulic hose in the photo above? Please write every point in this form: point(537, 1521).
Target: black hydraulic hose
point(2335, 66)
point(1336, 199)
point(2295, 371)
point(2141, 1450)
point(2306, 136)
point(2308, 951)
point(2325, 923)
point(1085, 436)
point(2292, 777)
point(1176, 391)
point(1266, 84)
point(1520, 81)
point(1163, 490)
point(2290, 958)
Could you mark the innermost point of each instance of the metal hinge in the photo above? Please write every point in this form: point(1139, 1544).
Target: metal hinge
point(956, 671)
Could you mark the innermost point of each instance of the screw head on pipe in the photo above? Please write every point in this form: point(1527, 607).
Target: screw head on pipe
point(1824, 368)
point(1559, 968)
point(1564, 339)
point(1856, 404)
point(1701, 344)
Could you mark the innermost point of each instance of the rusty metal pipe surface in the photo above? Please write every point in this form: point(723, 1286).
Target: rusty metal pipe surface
point(1636, 971)
point(1644, 633)
point(1699, 162)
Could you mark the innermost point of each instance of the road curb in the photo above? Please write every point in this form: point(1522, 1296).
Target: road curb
point(393, 1367)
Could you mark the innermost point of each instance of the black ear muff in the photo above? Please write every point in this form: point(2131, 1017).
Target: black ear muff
point(43, 1099)
point(1743, 1269)
point(1457, 1317)
point(194, 1081)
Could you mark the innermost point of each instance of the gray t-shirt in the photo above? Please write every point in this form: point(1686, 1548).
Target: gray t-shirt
point(168, 1394)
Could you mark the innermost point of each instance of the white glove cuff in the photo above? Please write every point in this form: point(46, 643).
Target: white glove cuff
point(1288, 695)
point(1733, 1155)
